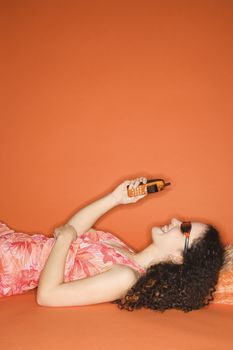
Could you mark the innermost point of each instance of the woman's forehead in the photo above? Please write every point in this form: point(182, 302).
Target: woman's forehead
point(198, 229)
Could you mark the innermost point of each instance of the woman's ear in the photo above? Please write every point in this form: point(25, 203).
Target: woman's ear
point(179, 259)
point(176, 259)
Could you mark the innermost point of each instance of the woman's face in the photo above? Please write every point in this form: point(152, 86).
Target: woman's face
point(170, 239)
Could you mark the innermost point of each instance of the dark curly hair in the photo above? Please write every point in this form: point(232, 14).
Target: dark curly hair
point(187, 286)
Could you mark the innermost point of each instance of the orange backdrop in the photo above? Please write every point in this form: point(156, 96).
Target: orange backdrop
point(97, 92)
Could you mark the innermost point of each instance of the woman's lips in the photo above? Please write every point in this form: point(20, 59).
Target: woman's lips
point(166, 228)
point(162, 229)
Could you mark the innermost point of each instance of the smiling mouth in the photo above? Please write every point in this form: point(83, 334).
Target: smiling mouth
point(166, 228)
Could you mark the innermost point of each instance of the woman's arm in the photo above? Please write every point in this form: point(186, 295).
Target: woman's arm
point(52, 291)
point(53, 273)
point(85, 218)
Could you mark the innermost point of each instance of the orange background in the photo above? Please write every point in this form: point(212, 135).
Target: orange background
point(97, 92)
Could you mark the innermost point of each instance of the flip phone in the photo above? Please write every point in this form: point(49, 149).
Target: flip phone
point(151, 186)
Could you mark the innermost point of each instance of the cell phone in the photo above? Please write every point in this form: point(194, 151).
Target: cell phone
point(152, 186)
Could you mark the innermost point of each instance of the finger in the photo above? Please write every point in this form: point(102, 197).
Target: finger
point(144, 180)
point(131, 184)
point(136, 183)
point(127, 182)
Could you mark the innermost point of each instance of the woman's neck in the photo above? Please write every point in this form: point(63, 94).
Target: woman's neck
point(148, 256)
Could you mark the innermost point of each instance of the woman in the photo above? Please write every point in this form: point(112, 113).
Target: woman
point(160, 277)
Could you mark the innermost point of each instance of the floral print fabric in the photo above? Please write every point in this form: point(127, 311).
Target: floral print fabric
point(23, 256)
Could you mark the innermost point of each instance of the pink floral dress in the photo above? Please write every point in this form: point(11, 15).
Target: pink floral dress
point(23, 256)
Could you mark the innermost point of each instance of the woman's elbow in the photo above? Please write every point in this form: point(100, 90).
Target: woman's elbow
point(43, 299)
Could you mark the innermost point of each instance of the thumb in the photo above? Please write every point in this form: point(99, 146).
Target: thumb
point(127, 182)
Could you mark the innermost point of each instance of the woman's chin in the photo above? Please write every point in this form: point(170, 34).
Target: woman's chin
point(157, 231)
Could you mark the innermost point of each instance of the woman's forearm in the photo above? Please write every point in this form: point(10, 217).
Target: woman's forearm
point(53, 272)
point(85, 218)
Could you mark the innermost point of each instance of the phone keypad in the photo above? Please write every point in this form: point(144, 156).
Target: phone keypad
point(138, 191)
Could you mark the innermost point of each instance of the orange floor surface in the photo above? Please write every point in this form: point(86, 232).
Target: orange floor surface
point(25, 325)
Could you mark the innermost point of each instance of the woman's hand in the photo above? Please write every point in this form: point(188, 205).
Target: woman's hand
point(66, 230)
point(121, 194)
